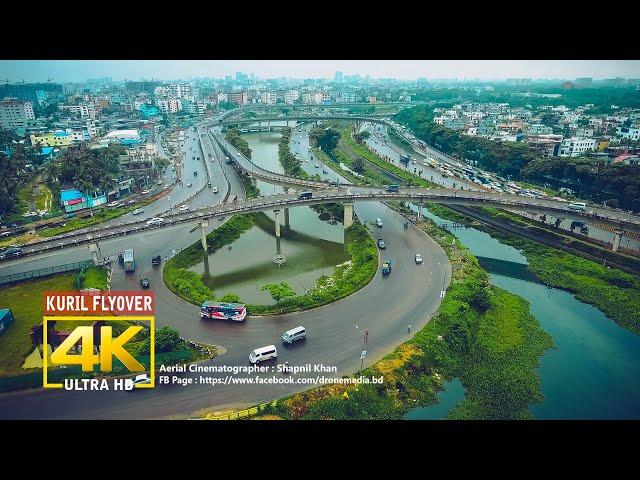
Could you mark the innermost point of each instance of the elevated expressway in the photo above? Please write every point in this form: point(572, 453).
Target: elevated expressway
point(347, 196)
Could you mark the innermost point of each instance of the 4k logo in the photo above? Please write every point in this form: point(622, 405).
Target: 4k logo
point(109, 347)
point(98, 351)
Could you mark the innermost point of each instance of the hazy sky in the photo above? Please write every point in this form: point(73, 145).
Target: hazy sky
point(78, 70)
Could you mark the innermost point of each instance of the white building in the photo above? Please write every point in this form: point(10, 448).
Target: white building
point(632, 133)
point(179, 90)
point(576, 146)
point(291, 96)
point(171, 105)
point(539, 129)
point(15, 113)
point(222, 97)
point(268, 98)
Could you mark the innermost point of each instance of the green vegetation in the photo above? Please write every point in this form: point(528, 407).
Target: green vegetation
point(610, 290)
point(409, 178)
point(290, 164)
point(94, 277)
point(233, 137)
point(324, 138)
point(618, 185)
point(25, 299)
point(279, 291)
point(482, 334)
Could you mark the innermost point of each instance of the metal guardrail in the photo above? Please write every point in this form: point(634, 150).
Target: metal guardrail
point(43, 272)
point(246, 413)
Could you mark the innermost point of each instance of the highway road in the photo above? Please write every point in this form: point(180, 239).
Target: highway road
point(411, 294)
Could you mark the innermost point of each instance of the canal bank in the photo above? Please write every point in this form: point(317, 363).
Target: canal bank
point(594, 371)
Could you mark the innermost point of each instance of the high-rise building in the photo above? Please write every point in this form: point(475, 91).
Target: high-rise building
point(28, 92)
point(144, 86)
point(338, 77)
point(239, 98)
point(15, 113)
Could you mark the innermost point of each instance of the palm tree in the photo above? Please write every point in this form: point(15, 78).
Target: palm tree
point(109, 183)
point(87, 188)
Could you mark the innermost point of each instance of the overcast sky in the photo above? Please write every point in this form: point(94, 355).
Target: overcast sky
point(78, 70)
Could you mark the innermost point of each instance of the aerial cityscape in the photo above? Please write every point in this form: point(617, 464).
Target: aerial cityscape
point(320, 240)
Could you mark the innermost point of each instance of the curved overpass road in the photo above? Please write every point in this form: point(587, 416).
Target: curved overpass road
point(385, 307)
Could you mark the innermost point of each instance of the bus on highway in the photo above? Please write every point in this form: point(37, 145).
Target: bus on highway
point(129, 262)
point(223, 311)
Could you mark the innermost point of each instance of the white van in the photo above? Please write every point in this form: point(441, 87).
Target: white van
point(290, 336)
point(261, 354)
point(577, 206)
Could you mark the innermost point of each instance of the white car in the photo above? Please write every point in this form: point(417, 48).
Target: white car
point(30, 214)
point(113, 204)
point(188, 184)
point(137, 211)
point(144, 192)
point(317, 165)
point(183, 208)
point(418, 259)
point(378, 222)
point(159, 182)
point(215, 189)
point(155, 221)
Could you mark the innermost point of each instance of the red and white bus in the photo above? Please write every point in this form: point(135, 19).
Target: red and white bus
point(223, 311)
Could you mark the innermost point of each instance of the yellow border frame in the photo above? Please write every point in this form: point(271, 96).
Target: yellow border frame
point(152, 353)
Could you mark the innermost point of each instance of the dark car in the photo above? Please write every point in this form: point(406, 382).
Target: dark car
point(381, 245)
point(144, 282)
point(10, 252)
point(69, 215)
point(156, 260)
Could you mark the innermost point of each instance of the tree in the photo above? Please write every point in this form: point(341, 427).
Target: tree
point(86, 187)
point(167, 340)
point(279, 291)
point(230, 298)
point(358, 165)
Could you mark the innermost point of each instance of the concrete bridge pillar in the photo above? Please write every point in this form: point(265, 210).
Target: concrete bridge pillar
point(203, 234)
point(616, 240)
point(419, 211)
point(276, 218)
point(93, 248)
point(348, 215)
point(286, 219)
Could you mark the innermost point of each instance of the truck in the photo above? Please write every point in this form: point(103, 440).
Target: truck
point(386, 267)
point(129, 261)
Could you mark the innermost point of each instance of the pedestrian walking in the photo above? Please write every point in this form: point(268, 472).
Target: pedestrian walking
point(409, 329)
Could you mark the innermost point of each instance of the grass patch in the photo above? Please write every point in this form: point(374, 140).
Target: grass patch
point(26, 301)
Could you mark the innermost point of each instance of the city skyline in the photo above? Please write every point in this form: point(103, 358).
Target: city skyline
point(63, 71)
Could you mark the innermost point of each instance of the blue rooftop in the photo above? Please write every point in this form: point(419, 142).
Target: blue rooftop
point(46, 150)
point(71, 194)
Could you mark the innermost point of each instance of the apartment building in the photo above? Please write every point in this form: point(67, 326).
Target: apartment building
point(84, 110)
point(239, 98)
point(545, 145)
point(178, 90)
point(15, 113)
point(576, 146)
point(291, 96)
point(269, 98)
point(631, 133)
